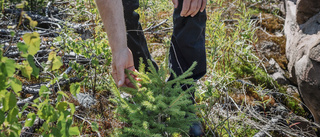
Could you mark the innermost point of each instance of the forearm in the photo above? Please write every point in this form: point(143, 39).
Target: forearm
point(111, 12)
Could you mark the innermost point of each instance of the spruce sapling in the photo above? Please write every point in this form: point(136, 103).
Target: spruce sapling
point(157, 107)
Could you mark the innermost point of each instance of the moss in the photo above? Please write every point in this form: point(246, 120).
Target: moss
point(257, 75)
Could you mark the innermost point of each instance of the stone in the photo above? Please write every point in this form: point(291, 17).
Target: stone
point(279, 78)
point(307, 9)
point(85, 100)
point(302, 32)
point(278, 73)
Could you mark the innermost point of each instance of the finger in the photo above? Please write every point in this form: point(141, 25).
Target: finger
point(203, 6)
point(193, 8)
point(185, 7)
point(120, 75)
point(175, 3)
point(138, 79)
point(199, 2)
point(139, 85)
point(131, 68)
point(128, 83)
point(114, 76)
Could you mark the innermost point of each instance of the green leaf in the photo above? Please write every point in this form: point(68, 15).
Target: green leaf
point(36, 101)
point(20, 5)
point(30, 120)
point(75, 89)
point(52, 55)
point(33, 40)
point(35, 69)
point(9, 101)
point(43, 90)
point(94, 126)
point(65, 76)
point(45, 126)
point(72, 107)
point(12, 33)
point(56, 133)
point(23, 108)
point(57, 39)
point(46, 111)
point(95, 62)
point(57, 63)
point(62, 106)
point(3, 79)
point(16, 85)
point(23, 47)
point(33, 23)
point(3, 94)
point(73, 131)
point(2, 117)
point(26, 70)
point(9, 66)
point(59, 97)
point(12, 116)
point(63, 94)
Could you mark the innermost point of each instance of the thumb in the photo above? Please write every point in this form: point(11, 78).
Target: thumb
point(175, 3)
point(120, 75)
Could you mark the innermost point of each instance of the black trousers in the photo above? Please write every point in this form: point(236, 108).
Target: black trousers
point(187, 42)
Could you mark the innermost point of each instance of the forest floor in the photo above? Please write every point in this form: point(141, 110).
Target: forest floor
point(242, 91)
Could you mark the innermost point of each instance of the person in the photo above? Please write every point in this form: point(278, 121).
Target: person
point(128, 43)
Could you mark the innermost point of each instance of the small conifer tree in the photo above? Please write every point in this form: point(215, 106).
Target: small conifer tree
point(157, 107)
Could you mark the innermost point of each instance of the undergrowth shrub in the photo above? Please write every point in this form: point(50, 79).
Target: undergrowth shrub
point(56, 114)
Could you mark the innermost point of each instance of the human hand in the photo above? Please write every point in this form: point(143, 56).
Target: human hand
point(191, 7)
point(122, 59)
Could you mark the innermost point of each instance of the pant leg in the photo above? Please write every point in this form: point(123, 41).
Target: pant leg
point(188, 43)
point(135, 36)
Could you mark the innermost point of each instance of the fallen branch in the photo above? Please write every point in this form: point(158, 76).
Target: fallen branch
point(29, 100)
point(29, 90)
point(65, 82)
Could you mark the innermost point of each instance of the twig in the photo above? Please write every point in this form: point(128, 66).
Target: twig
point(156, 26)
point(47, 8)
point(270, 35)
point(263, 131)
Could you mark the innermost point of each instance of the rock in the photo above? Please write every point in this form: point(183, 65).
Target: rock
point(279, 78)
point(291, 90)
point(315, 53)
point(302, 50)
point(307, 9)
point(85, 100)
point(312, 25)
point(278, 73)
point(125, 95)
